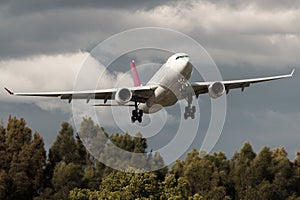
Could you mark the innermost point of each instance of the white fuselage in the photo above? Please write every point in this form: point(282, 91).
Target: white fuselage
point(170, 78)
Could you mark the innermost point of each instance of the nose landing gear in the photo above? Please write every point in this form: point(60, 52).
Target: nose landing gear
point(189, 110)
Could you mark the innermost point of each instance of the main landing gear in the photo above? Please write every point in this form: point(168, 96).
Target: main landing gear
point(189, 110)
point(137, 115)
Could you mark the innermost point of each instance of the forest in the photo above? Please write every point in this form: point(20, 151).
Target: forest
point(68, 171)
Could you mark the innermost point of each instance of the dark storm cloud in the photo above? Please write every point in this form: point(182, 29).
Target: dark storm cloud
point(47, 32)
point(50, 27)
point(16, 7)
point(51, 32)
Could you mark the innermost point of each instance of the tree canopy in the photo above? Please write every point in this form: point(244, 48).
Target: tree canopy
point(70, 171)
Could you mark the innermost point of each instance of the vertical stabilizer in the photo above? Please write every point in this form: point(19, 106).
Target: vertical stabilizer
point(136, 78)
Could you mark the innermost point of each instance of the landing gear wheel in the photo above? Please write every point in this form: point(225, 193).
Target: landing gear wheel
point(133, 119)
point(192, 115)
point(189, 111)
point(134, 113)
point(137, 114)
point(185, 116)
point(193, 109)
point(140, 113)
point(139, 119)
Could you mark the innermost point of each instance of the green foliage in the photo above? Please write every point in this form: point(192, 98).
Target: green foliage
point(4, 184)
point(65, 178)
point(173, 188)
point(4, 155)
point(64, 147)
point(122, 185)
point(93, 136)
point(283, 174)
point(17, 134)
point(70, 171)
point(240, 171)
point(23, 160)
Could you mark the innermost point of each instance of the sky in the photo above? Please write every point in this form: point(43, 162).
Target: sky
point(43, 49)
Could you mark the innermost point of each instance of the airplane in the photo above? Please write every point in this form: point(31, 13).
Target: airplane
point(167, 86)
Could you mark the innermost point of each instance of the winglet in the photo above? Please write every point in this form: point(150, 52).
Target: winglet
point(9, 91)
point(292, 73)
point(136, 78)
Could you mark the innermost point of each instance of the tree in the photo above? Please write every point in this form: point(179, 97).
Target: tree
point(240, 171)
point(17, 134)
point(65, 178)
point(199, 174)
point(156, 164)
point(124, 151)
point(173, 188)
point(4, 156)
point(297, 173)
point(73, 173)
point(178, 169)
point(27, 169)
point(123, 185)
point(283, 174)
point(262, 167)
point(37, 162)
point(64, 147)
point(91, 141)
point(4, 184)
point(23, 160)
point(93, 137)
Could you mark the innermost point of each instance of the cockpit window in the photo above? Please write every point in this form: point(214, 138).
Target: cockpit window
point(185, 56)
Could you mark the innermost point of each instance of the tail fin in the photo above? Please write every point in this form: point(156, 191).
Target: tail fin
point(136, 78)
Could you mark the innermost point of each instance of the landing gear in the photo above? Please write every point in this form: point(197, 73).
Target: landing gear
point(189, 110)
point(136, 114)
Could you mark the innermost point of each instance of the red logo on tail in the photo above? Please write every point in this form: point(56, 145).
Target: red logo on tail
point(136, 78)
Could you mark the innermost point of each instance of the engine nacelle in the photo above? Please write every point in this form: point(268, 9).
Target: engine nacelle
point(216, 90)
point(123, 96)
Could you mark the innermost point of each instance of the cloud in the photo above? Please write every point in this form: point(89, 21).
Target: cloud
point(16, 7)
point(64, 72)
point(43, 73)
point(234, 33)
point(262, 4)
point(249, 35)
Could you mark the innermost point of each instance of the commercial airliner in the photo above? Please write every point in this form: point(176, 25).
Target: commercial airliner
point(168, 85)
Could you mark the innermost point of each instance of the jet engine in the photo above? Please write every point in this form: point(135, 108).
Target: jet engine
point(123, 96)
point(216, 90)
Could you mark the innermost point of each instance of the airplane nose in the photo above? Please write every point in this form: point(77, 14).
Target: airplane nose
point(186, 60)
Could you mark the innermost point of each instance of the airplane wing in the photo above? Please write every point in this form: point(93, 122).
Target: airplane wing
point(202, 87)
point(140, 94)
